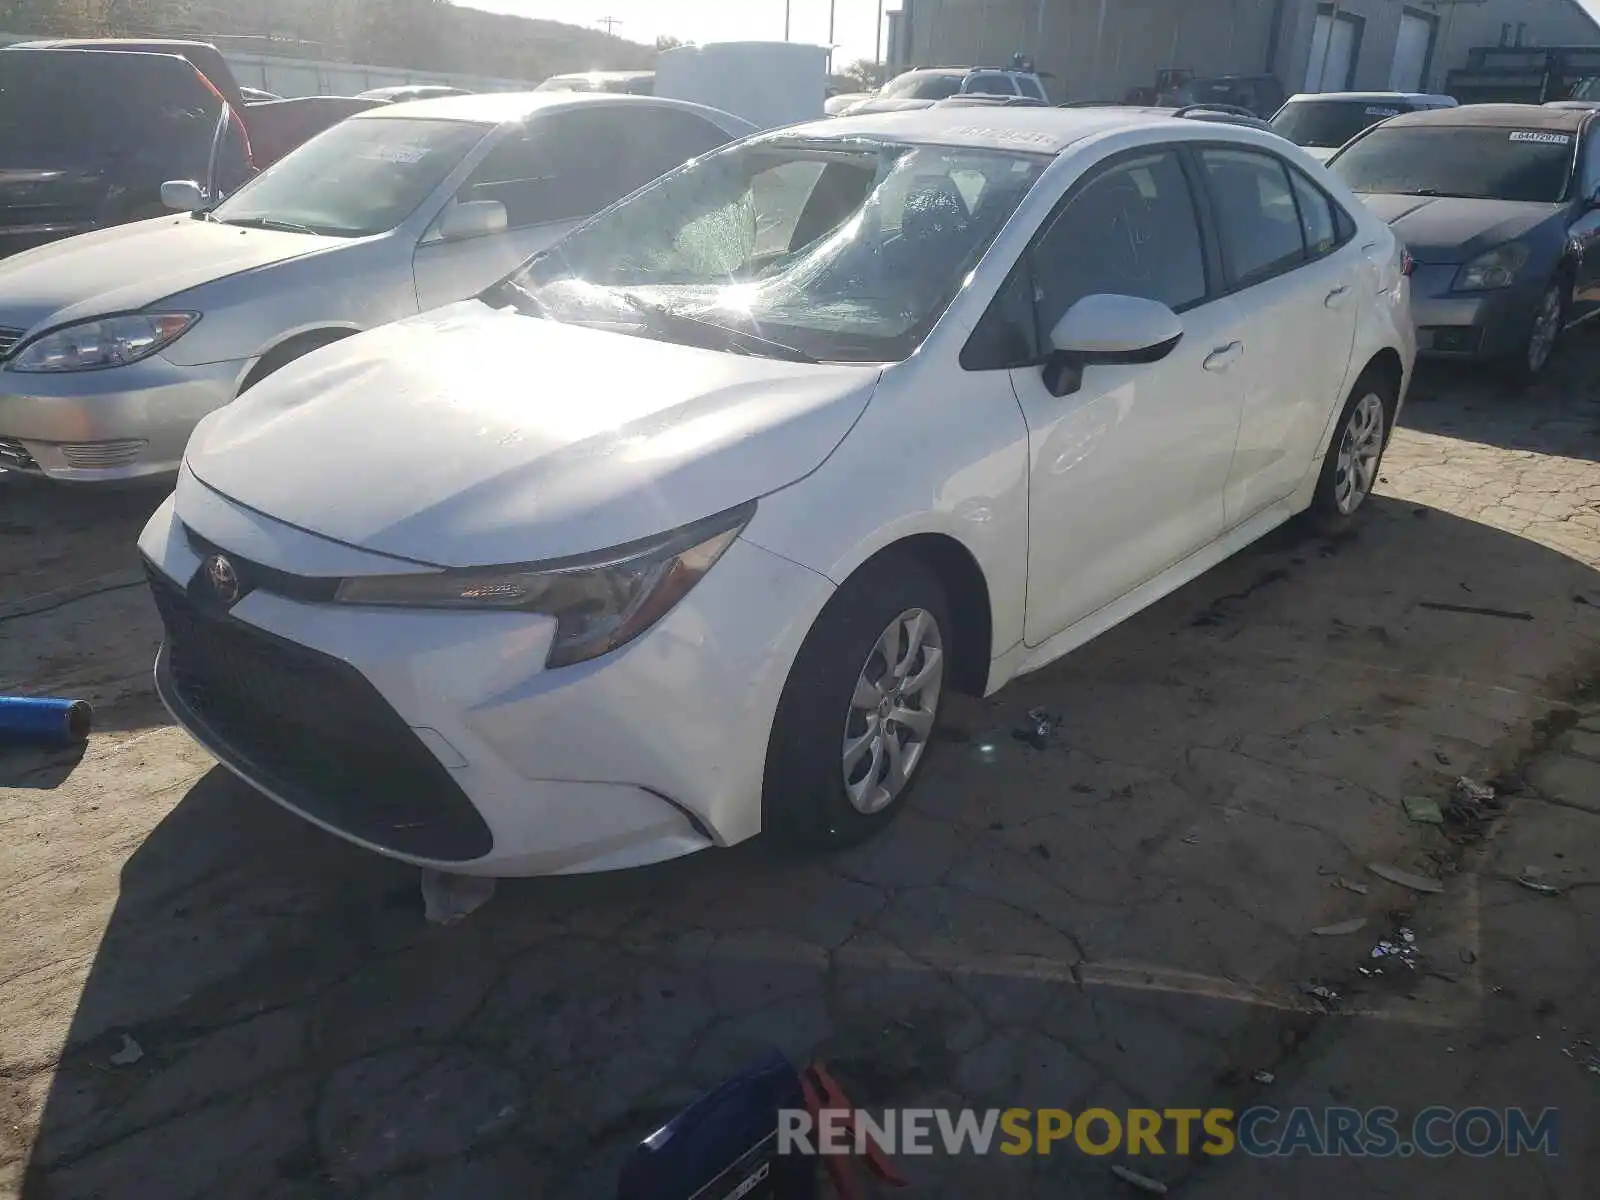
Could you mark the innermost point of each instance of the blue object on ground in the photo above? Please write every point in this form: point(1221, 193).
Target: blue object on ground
point(725, 1145)
point(42, 719)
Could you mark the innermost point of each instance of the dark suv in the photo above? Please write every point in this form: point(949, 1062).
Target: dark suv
point(87, 139)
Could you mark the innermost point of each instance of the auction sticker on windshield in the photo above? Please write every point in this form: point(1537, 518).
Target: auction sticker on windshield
point(1383, 112)
point(1551, 139)
point(394, 154)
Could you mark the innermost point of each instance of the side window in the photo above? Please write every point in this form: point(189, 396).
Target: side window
point(551, 171)
point(1030, 87)
point(1131, 231)
point(1316, 216)
point(1591, 162)
point(1257, 218)
point(661, 139)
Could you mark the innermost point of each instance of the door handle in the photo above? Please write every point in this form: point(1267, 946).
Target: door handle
point(1336, 297)
point(1224, 357)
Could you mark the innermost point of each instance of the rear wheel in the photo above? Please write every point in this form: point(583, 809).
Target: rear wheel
point(858, 712)
point(1350, 470)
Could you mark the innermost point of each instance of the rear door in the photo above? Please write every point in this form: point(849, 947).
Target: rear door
point(1294, 275)
point(1585, 235)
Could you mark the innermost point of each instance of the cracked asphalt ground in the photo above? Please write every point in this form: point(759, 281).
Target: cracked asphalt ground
point(1118, 918)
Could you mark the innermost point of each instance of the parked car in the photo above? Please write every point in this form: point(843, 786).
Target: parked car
point(116, 343)
point(1261, 95)
point(687, 530)
point(404, 92)
point(1497, 204)
point(628, 83)
point(835, 105)
point(260, 125)
point(924, 86)
point(119, 125)
point(1323, 121)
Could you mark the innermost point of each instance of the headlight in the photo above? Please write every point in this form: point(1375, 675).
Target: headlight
point(1496, 269)
point(105, 342)
point(599, 601)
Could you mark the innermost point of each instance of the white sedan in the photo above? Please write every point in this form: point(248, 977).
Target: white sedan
point(685, 531)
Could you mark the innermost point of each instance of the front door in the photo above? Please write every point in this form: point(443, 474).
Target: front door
point(1296, 278)
point(1127, 473)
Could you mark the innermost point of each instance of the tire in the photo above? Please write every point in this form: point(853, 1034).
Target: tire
point(1545, 326)
point(1355, 452)
point(810, 795)
point(281, 356)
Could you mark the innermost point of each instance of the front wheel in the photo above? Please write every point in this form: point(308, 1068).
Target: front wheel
point(1549, 319)
point(858, 712)
point(1350, 470)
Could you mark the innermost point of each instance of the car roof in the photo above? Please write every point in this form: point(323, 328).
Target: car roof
point(497, 108)
point(1378, 97)
point(1495, 116)
point(1036, 130)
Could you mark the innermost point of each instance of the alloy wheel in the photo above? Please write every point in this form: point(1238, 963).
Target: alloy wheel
point(1546, 329)
point(1360, 448)
point(892, 711)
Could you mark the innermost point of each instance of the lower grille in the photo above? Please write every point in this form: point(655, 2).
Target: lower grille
point(102, 456)
point(9, 338)
point(14, 456)
point(313, 730)
point(1450, 339)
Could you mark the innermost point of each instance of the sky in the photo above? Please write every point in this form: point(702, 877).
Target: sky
point(714, 20)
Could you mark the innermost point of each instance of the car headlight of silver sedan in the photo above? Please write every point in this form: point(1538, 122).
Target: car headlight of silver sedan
point(600, 601)
point(1496, 269)
point(103, 342)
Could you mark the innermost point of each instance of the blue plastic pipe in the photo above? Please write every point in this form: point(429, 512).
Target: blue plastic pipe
point(43, 719)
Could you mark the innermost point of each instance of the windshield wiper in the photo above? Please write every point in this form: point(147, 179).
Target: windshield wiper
point(269, 223)
point(1421, 192)
point(737, 340)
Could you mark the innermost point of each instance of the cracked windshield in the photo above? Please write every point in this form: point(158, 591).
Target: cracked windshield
point(845, 253)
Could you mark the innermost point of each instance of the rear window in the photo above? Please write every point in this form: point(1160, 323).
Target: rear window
point(922, 85)
point(1329, 124)
point(990, 83)
point(61, 106)
point(1476, 162)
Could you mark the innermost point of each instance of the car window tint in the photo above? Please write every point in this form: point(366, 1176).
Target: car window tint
point(1131, 231)
point(1256, 214)
point(989, 83)
point(1316, 216)
point(1029, 86)
point(662, 139)
point(1591, 163)
point(554, 170)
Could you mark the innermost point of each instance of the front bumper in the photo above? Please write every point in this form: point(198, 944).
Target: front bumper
point(1469, 326)
point(97, 426)
point(439, 738)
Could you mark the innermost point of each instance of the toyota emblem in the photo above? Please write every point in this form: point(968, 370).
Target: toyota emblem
point(224, 580)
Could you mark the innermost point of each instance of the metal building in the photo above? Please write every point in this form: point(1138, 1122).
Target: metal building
point(1100, 49)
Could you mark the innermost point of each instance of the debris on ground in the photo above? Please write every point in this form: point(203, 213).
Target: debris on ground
point(1474, 792)
point(1036, 730)
point(1422, 810)
point(447, 899)
point(1327, 999)
point(1509, 783)
point(1583, 1053)
point(1474, 611)
point(1408, 879)
point(1349, 885)
point(1399, 950)
point(1264, 1077)
point(1190, 840)
point(130, 1053)
point(1143, 1182)
point(1354, 925)
point(1532, 878)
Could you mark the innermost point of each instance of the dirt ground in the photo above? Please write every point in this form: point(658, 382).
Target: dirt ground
point(1122, 917)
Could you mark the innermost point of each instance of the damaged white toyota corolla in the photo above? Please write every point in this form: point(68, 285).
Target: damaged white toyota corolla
point(684, 531)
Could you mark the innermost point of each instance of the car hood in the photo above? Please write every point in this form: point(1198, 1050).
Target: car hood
point(470, 436)
point(1449, 229)
point(1321, 153)
point(132, 266)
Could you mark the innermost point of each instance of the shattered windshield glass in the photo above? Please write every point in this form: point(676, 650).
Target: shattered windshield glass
point(827, 249)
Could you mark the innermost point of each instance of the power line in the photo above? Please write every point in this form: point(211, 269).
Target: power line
point(610, 23)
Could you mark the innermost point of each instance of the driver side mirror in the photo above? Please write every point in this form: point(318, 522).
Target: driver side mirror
point(472, 219)
point(1106, 330)
point(183, 195)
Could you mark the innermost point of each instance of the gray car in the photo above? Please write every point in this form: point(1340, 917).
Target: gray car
point(1499, 206)
point(114, 344)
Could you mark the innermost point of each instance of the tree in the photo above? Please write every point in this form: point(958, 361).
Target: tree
point(867, 74)
point(400, 33)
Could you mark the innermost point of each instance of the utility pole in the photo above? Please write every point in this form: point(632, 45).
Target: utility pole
point(788, 7)
point(611, 24)
point(880, 43)
point(832, 6)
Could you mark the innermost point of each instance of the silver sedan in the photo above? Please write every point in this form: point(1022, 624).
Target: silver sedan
point(113, 345)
